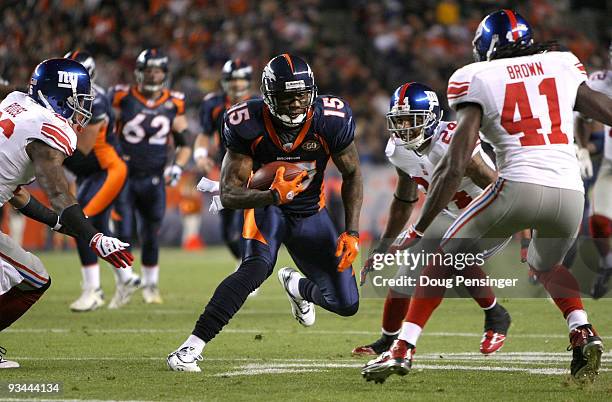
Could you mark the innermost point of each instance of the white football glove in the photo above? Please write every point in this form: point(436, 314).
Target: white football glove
point(172, 175)
point(112, 250)
point(584, 160)
point(215, 205)
point(208, 186)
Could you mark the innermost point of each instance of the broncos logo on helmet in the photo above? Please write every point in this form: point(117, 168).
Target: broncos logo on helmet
point(236, 78)
point(414, 114)
point(86, 59)
point(151, 58)
point(288, 88)
point(498, 29)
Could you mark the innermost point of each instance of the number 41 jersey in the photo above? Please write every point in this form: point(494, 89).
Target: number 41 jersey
point(248, 129)
point(527, 104)
point(144, 126)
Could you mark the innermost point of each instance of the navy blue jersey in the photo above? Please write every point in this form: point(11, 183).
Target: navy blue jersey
point(85, 165)
point(248, 129)
point(144, 126)
point(212, 111)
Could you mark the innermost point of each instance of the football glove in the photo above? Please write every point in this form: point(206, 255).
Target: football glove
point(584, 160)
point(406, 239)
point(348, 248)
point(172, 175)
point(112, 250)
point(368, 267)
point(286, 191)
point(215, 205)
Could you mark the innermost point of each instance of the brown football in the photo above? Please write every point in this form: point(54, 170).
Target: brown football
point(264, 176)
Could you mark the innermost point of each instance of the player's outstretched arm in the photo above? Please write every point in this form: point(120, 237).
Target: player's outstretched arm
point(451, 168)
point(235, 172)
point(479, 172)
point(594, 104)
point(49, 172)
point(29, 206)
point(404, 199)
point(347, 162)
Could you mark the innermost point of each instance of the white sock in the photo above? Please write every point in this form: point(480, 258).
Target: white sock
point(194, 342)
point(576, 318)
point(122, 275)
point(389, 333)
point(91, 276)
point(150, 275)
point(294, 287)
point(410, 333)
point(492, 305)
point(607, 260)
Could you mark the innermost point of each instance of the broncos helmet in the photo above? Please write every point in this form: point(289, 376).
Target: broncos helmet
point(86, 59)
point(151, 58)
point(236, 69)
point(285, 79)
point(499, 29)
point(414, 114)
point(64, 87)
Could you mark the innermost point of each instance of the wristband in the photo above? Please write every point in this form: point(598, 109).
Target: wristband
point(353, 233)
point(406, 201)
point(200, 152)
point(275, 197)
point(74, 220)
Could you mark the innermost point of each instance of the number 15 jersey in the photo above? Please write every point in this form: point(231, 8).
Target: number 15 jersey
point(143, 127)
point(527, 114)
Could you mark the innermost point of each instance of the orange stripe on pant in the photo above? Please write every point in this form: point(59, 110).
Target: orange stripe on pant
point(116, 174)
point(250, 229)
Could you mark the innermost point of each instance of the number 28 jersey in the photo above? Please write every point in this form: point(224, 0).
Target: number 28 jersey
point(248, 129)
point(527, 104)
point(143, 127)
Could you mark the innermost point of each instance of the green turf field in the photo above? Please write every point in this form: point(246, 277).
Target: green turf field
point(263, 354)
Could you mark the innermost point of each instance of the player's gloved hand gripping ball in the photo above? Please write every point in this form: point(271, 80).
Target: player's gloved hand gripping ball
point(287, 190)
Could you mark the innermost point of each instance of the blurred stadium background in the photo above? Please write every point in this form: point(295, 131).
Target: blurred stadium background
point(360, 50)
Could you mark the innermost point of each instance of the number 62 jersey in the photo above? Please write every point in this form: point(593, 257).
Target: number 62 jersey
point(248, 129)
point(143, 127)
point(527, 114)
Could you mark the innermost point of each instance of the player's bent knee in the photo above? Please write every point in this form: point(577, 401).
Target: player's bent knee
point(347, 310)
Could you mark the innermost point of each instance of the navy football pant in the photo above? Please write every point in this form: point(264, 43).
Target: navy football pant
point(87, 188)
point(231, 230)
point(311, 242)
point(145, 199)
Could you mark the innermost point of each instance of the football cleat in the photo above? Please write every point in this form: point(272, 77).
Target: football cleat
point(184, 359)
point(124, 292)
point(90, 300)
point(397, 360)
point(303, 311)
point(151, 295)
point(6, 364)
point(587, 348)
point(600, 283)
point(497, 322)
point(375, 348)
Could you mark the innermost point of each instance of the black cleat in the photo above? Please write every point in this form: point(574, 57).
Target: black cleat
point(381, 345)
point(587, 348)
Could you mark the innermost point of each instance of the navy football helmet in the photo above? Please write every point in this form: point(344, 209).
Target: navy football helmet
point(151, 58)
point(235, 70)
point(288, 89)
point(500, 29)
point(64, 87)
point(86, 59)
point(414, 114)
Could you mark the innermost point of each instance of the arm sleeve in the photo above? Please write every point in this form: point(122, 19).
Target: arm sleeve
point(232, 139)
point(464, 87)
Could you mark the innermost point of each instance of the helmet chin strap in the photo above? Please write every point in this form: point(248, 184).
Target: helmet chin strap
point(44, 101)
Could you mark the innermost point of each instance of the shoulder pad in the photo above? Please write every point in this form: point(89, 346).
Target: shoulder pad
point(177, 94)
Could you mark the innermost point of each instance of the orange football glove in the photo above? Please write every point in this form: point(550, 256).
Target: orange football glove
point(287, 190)
point(348, 248)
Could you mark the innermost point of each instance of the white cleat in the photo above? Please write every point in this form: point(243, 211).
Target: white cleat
point(151, 295)
point(124, 293)
point(303, 311)
point(90, 300)
point(184, 359)
point(6, 364)
point(254, 293)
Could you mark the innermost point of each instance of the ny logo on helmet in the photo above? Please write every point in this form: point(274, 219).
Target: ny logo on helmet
point(432, 98)
point(67, 79)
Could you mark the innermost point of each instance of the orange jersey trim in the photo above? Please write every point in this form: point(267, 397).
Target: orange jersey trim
point(250, 229)
point(147, 102)
point(275, 139)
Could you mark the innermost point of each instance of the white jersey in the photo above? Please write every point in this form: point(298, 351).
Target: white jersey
point(421, 167)
point(527, 105)
point(602, 81)
point(22, 121)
